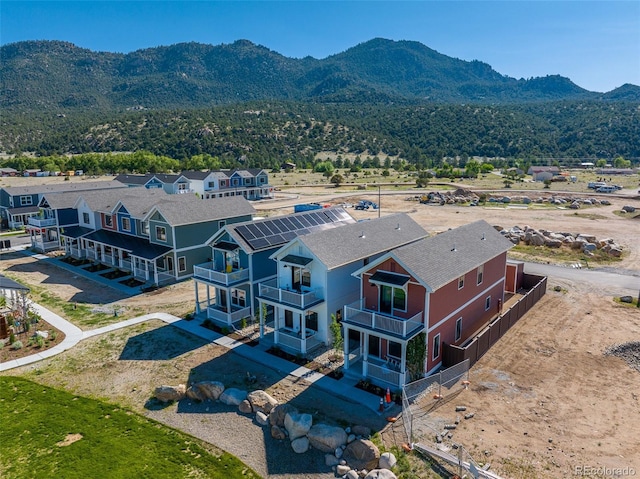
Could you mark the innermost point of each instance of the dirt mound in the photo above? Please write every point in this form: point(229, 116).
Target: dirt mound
point(630, 352)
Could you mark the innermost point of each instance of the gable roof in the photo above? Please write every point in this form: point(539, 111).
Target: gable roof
point(106, 200)
point(188, 209)
point(440, 259)
point(339, 246)
point(339, 217)
point(133, 179)
point(62, 187)
point(195, 174)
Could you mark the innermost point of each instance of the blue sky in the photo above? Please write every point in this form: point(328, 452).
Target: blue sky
point(594, 43)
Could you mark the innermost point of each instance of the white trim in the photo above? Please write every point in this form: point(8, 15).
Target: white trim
point(472, 300)
point(456, 336)
point(461, 278)
point(487, 307)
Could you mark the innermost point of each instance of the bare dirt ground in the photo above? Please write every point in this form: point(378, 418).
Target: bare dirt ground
point(545, 398)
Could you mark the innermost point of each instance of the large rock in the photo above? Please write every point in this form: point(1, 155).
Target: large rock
point(233, 396)
point(381, 474)
point(536, 239)
point(205, 390)
point(300, 445)
point(387, 460)
point(278, 413)
point(589, 247)
point(352, 474)
point(363, 431)
point(277, 433)
point(298, 425)
point(262, 418)
point(245, 407)
point(362, 454)
point(327, 438)
point(342, 469)
point(553, 243)
point(170, 393)
point(629, 209)
point(261, 401)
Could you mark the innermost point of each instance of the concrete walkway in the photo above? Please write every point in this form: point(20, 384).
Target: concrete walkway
point(343, 388)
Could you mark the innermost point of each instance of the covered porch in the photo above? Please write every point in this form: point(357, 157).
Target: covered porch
point(381, 358)
point(18, 218)
point(294, 330)
point(226, 306)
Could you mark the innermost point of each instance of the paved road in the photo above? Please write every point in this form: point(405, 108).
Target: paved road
point(626, 282)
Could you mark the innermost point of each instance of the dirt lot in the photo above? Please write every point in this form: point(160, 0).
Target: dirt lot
point(545, 398)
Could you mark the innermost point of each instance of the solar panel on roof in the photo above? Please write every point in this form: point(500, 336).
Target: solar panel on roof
point(256, 232)
point(289, 235)
point(245, 233)
point(296, 222)
point(280, 225)
point(259, 243)
point(263, 228)
point(276, 240)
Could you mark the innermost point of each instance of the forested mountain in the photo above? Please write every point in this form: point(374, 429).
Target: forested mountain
point(268, 133)
point(59, 76)
point(243, 100)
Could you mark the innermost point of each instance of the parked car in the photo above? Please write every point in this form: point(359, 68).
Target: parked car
point(606, 189)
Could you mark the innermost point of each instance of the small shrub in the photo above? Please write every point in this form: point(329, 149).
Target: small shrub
point(17, 345)
point(243, 323)
point(53, 334)
point(1, 344)
point(12, 338)
point(39, 341)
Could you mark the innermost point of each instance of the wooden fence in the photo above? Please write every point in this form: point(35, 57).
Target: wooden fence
point(475, 349)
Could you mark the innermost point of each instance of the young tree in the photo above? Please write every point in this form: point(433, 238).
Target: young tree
point(336, 333)
point(337, 180)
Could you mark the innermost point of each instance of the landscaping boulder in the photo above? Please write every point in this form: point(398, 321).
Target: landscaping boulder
point(327, 438)
point(300, 445)
point(278, 413)
point(205, 390)
point(331, 460)
point(262, 418)
point(629, 209)
point(363, 431)
point(298, 425)
point(170, 393)
point(233, 396)
point(626, 299)
point(362, 454)
point(261, 401)
point(381, 474)
point(387, 460)
point(342, 469)
point(351, 475)
point(245, 407)
point(589, 247)
point(278, 433)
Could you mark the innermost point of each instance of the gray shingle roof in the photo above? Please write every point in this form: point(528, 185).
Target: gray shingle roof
point(136, 199)
point(340, 246)
point(133, 179)
point(63, 186)
point(440, 259)
point(188, 209)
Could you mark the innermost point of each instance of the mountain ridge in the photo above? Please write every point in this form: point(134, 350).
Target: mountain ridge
point(58, 75)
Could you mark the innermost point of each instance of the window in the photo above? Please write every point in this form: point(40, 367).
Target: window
point(108, 220)
point(480, 273)
point(26, 200)
point(221, 224)
point(461, 282)
point(394, 349)
point(126, 224)
point(436, 346)
point(145, 228)
point(392, 298)
point(182, 187)
point(399, 299)
point(338, 315)
point(487, 303)
point(458, 329)
point(301, 277)
point(85, 218)
point(239, 297)
point(161, 233)
point(212, 184)
point(182, 264)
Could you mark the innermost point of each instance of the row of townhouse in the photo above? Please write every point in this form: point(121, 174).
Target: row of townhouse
point(156, 237)
point(19, 203)
point(385, 280)
point(252, 183)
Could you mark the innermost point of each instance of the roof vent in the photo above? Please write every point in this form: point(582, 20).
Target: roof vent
point(398, 226)
point(483, 237)
point(362, 234)
point(454, 247)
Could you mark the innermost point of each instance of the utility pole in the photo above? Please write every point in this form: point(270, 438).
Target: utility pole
point(379, 203)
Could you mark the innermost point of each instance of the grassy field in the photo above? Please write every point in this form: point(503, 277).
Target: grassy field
point(51, 433)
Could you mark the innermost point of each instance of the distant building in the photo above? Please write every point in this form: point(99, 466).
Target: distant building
point(616, 171)
point(542, 173)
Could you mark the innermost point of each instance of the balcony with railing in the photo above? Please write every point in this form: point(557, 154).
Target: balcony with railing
point(222, 315)
point(357, 315)
point(209, 271)
point(77, 252)
point(45, 246)
point(293, 342)
point(269, 290)
point(39, 222)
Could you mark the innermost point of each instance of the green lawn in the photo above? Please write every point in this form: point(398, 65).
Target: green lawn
point(115, 443)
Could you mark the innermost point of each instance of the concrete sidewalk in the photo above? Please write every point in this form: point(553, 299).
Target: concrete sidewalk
point(343, 388)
